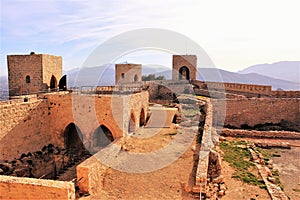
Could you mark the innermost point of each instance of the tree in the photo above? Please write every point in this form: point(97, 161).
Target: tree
point(152, 77)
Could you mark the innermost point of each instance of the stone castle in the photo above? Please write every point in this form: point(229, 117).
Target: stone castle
point(43, 116)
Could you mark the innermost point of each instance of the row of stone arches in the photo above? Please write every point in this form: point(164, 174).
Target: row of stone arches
point(73, 138)
point(62, 85)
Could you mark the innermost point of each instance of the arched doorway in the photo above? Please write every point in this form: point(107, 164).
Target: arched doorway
point(174, 119)
point(63, 83)
point(142, 118)
point(53, 83)
point(102, 137)
point(136, 78)
point(131, 125)
point(184, 73)
point(73, 137)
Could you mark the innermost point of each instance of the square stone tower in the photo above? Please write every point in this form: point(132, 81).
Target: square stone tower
point(184, 67)
point(128, 73)
point(30, 74)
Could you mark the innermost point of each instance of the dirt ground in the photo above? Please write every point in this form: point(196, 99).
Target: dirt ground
point(174, 180)
point(288, 165)
point(166, 183)
point(237, 190)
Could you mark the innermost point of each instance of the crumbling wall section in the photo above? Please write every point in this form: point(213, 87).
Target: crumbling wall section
point(31, 188)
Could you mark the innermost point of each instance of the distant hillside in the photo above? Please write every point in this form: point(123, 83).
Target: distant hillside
point(218, 75)
point(287, 70)
point(105, 75)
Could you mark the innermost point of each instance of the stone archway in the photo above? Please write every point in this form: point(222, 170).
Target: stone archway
point(142, 118)
point(102, 137)
point(184, 73)
point(53, 83)
point(63, 83)
point(73, 138)
point(131, 124)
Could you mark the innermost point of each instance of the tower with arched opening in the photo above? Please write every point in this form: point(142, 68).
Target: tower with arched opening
point(128, 73)
point(184, 67)
point(33, 73)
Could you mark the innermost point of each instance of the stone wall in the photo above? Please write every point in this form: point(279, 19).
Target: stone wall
point(28, 74)
point(259, 134)
point(24, 127)
point(205, 148)
point(128, 73)
point(52, 66)
point(28, 126)
point(20, 66)
point(31, 188)
point(90, 175)
point(285, 94)
point(257, 111)
point(189, 61)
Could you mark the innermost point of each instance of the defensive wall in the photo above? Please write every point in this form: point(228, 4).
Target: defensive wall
point(256, 111)
point(28, 126)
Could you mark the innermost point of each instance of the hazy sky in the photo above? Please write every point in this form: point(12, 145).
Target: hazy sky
point(234, 33)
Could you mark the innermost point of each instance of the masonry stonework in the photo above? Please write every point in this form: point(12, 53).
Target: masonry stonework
point(28, 126)
point(257, 111)
point(184, 67)
point(29, 74)
point(128, 73)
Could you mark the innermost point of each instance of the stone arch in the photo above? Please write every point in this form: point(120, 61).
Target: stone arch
point(142, 117)
point(184, 73)
point(63, 83)
point(136, 78)
point(131, 124)
point(53, 83)
point(73, 138)
point(102, 137)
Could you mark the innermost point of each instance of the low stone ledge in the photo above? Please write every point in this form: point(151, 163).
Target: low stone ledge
point(260, 134)
point(32, 188)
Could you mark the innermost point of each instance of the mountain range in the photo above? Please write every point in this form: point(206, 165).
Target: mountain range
point(270, 75)
point(281, 75)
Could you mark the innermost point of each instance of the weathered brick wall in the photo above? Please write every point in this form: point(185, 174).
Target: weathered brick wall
point(52, 65)
point(129, 72)
point(89, 112)
point(257, 111)
point(39, 67)
point(27, 127)
point(20, 66)
point(90, 174)
point(31, 188)
point(285, 94)
point(24, 127)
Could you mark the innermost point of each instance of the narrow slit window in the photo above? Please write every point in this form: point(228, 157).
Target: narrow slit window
point(27, 79)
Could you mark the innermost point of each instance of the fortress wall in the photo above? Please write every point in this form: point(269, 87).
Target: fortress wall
point(234, 87)
point(88, 112)
point(257, 111)
point(31, 188)
point(250, 88)
point(24, 127)
point(285, 94)
point(28, 126)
